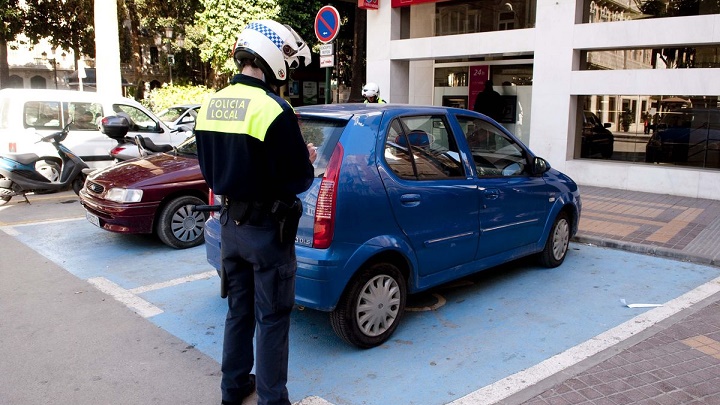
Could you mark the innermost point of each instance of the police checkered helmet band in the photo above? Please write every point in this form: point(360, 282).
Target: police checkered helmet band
point(273, 46)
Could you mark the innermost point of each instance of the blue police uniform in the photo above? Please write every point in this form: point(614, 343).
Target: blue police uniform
point(251, 151)
point(379, 101)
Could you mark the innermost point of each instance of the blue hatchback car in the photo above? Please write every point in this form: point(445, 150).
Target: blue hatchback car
point(406, 198)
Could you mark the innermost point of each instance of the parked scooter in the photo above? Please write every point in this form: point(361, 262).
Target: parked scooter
point(19, 174)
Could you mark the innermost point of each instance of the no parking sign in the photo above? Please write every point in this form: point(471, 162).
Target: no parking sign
point(327, 24)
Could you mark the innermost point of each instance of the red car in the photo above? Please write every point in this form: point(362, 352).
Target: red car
point(155, 194)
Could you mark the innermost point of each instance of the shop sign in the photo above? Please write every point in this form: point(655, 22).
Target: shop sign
point(369, 4)
point(403, 3)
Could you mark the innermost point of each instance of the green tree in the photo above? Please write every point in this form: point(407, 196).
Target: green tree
point(216, 28)
point(148, 19)
point(13, 22)
point(67, 24)
point(300, 15)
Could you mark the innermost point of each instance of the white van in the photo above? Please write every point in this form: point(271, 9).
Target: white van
point(28, 114)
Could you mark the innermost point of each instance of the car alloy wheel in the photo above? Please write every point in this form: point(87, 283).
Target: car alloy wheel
point(557, 243)
point(179, 225)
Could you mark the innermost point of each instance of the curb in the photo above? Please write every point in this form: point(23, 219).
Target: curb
point(646, 249)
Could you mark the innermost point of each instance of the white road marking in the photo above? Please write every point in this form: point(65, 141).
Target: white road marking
point(313, 401)
point(517, 382)
point(130, 297)
point(171, 283)
point(8, 227)
point(132, 301)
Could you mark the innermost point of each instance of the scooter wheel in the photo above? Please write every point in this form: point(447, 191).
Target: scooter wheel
point(5, 195)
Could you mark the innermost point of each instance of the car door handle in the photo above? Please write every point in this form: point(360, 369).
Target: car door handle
point(410, 200)
point(492, 194)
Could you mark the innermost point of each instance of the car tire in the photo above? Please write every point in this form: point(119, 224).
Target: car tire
point(179, 225)
point(371, 308)
point(556, 246)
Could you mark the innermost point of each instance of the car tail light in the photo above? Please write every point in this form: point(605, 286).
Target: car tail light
point(214, 200)
point(12, 147)
point(117, 150)
point(326, 202)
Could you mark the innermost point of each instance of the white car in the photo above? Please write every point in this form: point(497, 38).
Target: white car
point(180, 115)
point(28, 114)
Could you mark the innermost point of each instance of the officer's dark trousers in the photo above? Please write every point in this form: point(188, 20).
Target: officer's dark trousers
point(261, 292)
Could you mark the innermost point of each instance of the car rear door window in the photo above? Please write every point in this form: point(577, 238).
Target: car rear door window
point(422, 148)
point(84, 116)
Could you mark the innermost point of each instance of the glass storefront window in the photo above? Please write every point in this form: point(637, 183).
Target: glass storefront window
point(598, 11)
point(465, 17)
point(681, 130)
point(683, 57)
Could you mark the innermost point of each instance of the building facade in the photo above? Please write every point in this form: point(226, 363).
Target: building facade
point(616, 93)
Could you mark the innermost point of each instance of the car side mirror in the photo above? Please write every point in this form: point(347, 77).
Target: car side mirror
point(607, 125)
point(540, 166)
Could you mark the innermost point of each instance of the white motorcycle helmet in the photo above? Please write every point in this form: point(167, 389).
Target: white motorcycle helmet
point(371, 90)
point(275, 48)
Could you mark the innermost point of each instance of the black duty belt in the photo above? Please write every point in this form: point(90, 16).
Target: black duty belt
point(251, 212)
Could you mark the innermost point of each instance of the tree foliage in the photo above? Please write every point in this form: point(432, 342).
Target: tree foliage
point(209, 29)
point(13, 19)
point(217, 26)
point(67, 24)
point(163, 97)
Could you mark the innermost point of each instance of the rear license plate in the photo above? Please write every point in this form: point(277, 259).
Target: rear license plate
point(93, 219)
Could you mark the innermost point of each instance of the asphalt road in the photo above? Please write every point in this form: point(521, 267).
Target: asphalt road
point(142, 317)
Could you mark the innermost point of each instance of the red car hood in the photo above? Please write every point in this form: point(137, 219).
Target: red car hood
point(161, 168)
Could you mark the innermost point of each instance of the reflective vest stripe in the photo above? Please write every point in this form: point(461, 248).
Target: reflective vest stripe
point(227, 111)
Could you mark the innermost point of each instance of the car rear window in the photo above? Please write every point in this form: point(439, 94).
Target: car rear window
point(324, 134)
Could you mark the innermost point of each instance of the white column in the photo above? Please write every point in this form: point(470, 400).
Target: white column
point(107, 48)
point(552, 106)
point(392, 77)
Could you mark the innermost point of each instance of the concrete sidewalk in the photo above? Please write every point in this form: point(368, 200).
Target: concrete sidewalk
point(62, 341)
point(676, 361)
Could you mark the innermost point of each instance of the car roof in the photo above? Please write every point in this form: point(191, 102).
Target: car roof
point(347, 110)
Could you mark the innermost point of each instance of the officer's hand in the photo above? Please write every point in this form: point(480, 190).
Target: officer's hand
point(312, 150)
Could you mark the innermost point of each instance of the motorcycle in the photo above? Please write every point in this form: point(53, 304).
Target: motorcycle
point(116, 128)
point(19, 174)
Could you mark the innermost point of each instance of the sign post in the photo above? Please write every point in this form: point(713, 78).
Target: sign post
point(327, 25)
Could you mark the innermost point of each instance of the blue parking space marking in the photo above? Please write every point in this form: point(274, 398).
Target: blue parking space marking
point(127, 260)
point(491, 325)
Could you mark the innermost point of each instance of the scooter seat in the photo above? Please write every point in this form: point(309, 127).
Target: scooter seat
point(24, 158)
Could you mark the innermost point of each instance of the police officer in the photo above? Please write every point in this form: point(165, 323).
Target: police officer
point(251, 151)
point(371, 93)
